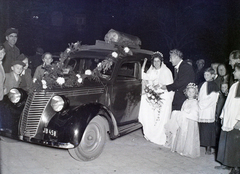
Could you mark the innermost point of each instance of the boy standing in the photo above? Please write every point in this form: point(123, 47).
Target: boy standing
point(13, 78)
point(208, 96)
point(39, 73)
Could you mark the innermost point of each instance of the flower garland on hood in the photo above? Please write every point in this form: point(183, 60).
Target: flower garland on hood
point(55, 76)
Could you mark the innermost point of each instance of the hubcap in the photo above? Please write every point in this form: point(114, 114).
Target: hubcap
point(91, 138)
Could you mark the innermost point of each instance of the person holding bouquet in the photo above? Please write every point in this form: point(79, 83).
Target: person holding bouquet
point(156, 104)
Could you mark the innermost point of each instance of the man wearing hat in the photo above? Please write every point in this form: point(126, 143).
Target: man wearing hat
point(12, 52)
point(13, 78)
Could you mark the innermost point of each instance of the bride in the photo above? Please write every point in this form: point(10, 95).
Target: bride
point(155, 107)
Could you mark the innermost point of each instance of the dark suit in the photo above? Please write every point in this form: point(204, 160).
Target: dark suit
point(185, 75)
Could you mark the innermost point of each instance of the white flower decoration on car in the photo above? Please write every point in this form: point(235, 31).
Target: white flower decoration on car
point(76, 44)
point(99, 64)
point(88, 72)
point(68, 50)
point(115, 54)
point(80, 80)
point(126, 49)
point(60, 80)
point(44, 84)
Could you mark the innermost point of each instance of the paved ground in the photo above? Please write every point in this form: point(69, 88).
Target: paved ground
point(130, 154)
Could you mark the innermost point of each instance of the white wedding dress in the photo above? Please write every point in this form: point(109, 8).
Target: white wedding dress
point(152, 120)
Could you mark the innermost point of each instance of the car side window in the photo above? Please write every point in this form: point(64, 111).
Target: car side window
point(128, 71)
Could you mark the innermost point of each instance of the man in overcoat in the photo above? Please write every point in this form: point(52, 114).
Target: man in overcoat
point(183, 75)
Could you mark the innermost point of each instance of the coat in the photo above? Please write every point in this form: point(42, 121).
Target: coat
point(184, 76)
point(11, 82)
point(11, 55)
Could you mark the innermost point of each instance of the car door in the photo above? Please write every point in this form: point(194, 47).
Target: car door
point(126, 92)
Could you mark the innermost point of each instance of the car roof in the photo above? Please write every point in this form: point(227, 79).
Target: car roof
point(102, 50)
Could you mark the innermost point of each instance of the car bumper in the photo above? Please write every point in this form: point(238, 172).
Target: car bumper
point(63, 145)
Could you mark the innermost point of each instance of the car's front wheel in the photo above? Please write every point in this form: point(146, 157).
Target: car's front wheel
point(93, 140)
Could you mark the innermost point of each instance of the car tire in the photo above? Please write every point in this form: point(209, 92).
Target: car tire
point(92, 142)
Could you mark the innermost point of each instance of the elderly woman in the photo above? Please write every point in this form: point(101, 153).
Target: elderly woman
point(222, 75)
point(155, 108)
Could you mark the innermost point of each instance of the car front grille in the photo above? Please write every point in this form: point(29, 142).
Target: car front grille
point(38, 101)
point(32, 112)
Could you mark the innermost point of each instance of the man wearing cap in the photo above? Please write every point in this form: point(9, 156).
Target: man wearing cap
point(13, 78)
point(12, 52)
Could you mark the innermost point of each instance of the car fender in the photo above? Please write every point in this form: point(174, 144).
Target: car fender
point(72, 124)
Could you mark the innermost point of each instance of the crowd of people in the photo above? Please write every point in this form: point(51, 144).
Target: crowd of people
point(15, 70)
point(198, 107)
point(18, 70)
point(182, 111)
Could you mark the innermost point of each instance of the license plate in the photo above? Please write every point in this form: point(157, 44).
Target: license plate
point(51, 132)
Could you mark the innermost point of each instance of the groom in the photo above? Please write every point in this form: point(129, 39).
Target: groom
point(183, 74)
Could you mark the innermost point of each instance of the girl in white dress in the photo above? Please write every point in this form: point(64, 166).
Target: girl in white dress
point(182, 129)
point(156, 104)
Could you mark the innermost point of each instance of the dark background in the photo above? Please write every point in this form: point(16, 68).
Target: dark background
point(208, 29)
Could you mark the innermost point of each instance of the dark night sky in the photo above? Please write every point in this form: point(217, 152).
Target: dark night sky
point(206, 29)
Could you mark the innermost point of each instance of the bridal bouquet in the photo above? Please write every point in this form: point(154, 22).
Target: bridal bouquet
point(153, 97)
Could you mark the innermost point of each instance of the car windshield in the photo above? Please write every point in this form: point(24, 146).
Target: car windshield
point(87, 66)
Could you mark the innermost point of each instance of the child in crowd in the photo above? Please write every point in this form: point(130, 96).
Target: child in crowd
point(13, 78)
point(39, 73)
point(228, 149)
point(26, 77)
point(182, 129)
point(208, 97)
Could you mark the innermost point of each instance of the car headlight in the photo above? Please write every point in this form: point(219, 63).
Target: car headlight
point(59, 103)
point(14, 95)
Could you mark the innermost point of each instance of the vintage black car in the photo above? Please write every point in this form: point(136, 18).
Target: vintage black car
point(97, 96)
